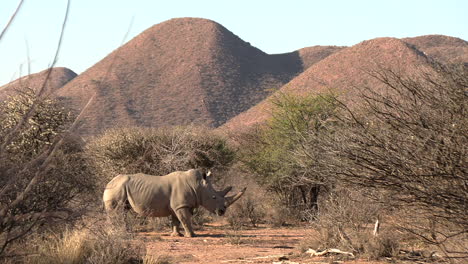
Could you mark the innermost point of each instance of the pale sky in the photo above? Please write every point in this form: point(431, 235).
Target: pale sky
point(97, 27)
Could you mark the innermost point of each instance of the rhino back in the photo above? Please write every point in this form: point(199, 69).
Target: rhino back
point(159, 195)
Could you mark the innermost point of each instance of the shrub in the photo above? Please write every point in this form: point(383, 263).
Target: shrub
point(386, 245)
point(410, 144)
point(344, 216)
point(87, 246)
point(268, 151)
point(405, 145)
point(43, 172)
point(47, 120)
point(158, 151)
point(246, 211)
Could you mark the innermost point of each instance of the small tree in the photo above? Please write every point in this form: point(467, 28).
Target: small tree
point(269, 151)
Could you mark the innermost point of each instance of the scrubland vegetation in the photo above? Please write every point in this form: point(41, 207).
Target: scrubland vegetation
point(384, 176)
point(398, 157)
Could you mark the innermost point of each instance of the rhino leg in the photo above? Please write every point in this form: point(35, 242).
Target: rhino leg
point(185, 217)
point(175, 224)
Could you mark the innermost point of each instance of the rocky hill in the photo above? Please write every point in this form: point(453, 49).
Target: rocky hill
point(57, 78)
point(342, 74)
point(194, 71)
point(442, 48)
point(183, 71)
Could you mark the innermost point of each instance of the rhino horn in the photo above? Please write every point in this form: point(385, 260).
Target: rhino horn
point(231, 199)
point(225, 191)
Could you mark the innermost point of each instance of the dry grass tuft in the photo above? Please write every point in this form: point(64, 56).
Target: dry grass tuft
point(105, 244)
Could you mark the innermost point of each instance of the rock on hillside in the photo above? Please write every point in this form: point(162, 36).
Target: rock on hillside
point(182, 71)
point(444, 49)
point(57, 78)
point(340, 73)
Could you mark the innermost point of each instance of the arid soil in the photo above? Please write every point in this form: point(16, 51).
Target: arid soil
point(217, 244)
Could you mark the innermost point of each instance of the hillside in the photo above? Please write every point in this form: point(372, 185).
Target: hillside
point(314, 54)
point(340, 74)
point(442, 48)
point(182, 71)
point(194, 71)
point(58, 77)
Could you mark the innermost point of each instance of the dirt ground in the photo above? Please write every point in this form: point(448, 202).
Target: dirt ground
point(217, 244)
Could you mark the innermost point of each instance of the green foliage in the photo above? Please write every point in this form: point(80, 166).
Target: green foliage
point(48, 120)
point(269, 151)
point(158, 151)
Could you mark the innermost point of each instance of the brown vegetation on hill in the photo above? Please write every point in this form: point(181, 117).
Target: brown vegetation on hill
point(183, 71)
point(314, 54)
point(445, 49)
point(342, 73)
point(195, 71)
point(58, 77)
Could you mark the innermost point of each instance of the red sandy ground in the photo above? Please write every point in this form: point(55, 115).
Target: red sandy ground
point(215, 244)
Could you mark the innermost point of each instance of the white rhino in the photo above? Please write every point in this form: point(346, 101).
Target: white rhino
point(175, 194)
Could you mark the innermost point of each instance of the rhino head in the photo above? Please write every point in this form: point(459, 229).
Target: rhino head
point(216, 201)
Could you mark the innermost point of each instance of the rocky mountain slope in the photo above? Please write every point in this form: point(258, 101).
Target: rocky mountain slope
point(183, 71)
point(57, 78)
point(342, 74)
point(194, 71)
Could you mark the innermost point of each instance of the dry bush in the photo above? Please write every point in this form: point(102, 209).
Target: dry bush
point(44, 180)
point(246, 211)
point(105, 245)
point(234, 237)
point(386, 245)
point(258, 206)
point(158, 151)
point(410, 143)
point(49, 119)
point(254, 207)
point(44, 177)
point(405, 145)
point(430, 234)
point(92, 240)
point(345, 219)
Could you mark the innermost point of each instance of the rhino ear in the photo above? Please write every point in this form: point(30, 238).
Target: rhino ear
point(207, 176)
